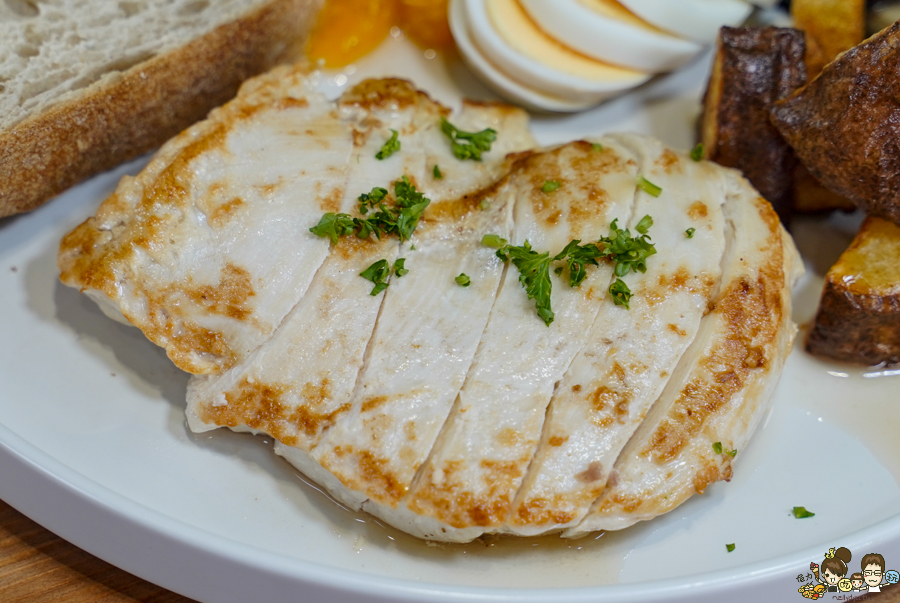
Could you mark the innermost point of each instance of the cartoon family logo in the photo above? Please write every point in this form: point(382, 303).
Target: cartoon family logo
point(832, 577)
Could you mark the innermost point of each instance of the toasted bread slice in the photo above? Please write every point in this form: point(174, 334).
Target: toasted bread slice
point(753, 68)
point(843, 124)
point(85, 86)
point(859, 317)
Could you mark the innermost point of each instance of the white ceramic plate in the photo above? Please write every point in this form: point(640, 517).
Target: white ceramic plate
point(93, 445)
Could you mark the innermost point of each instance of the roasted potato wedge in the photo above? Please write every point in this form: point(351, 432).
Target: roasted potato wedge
point(753, 68)
point(859, 317)
point(831, 26)
point(845, 124)
point(810, 197)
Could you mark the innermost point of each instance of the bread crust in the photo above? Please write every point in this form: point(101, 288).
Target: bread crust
point(132, 113)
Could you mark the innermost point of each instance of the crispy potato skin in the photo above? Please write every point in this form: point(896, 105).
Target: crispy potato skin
point(754, 67)
point(859, 316)
point(845, 124)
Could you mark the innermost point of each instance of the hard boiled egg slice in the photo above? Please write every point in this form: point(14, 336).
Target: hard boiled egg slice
point(501, 83)
point(508, 38)
point(698, 20)
point(606, 31)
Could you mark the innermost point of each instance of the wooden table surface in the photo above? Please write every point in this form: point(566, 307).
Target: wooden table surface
point(36, 566)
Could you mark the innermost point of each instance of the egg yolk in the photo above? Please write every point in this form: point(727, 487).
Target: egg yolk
point(347, 30)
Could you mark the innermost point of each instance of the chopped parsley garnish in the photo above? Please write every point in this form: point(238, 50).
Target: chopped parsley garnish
point(596, 146)
point(463, 280)
point(578, 257)
point(401, 219)
point(437, 172)
point(801, 512)
point(697, 152)
point(333, 226)
point(718, 449)
point(534, 274)
point(648, 187)
point(690, 232)
point(493, 241)
point(484, 205)
point(550, 186)
point(620, 293)
point(378, 273)
point(729, 547)
point(468, 145)
point(629, 253)
point(390, 147)
point(399, 270)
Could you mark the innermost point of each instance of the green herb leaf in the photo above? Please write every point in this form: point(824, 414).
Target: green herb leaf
point(390, 147)
point(468, 145)
point(534, 275)
point(378, 273)
point(371, 199)
point(648, 187)
point(596, 146)
point(333, 226)
point(463, 280)
point(620, 292)
point(697, 152)
point(644, 225)
point(801, 512)
point(577, 258)
point(629, 253)
point(690, 232)
point(493, 241)
point(399, 269)
point(733, 453)
point(558, 270)
point(550, 186)
point(484, 205)
point(717, 447)
point(437, 172)
point(729, 547)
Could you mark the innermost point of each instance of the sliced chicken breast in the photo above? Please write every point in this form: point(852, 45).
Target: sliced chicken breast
point(722, 385)
point(449, 410)
point(209, 247)
point(301, 379)
point(630, 353)
point(490, 437)
point(429, 326)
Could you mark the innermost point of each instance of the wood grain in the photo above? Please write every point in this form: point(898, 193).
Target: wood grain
point(36, 566)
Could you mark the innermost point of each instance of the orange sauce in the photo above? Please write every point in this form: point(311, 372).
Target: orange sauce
point(347, 30)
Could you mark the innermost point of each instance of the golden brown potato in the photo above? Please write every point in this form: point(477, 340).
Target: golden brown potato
point(810, 197)
point(753, 68)
point(831, 26)
point(859, 317)
point(845, 124)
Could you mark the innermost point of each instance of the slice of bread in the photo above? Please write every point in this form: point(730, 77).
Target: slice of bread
point(85, 86)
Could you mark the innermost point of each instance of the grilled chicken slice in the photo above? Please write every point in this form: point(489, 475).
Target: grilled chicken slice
point(723, 383)
point(466, 486)
point(209, 247)
point(429, 326)
point(630, 353)
point(300, 380)
point(303, 380)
